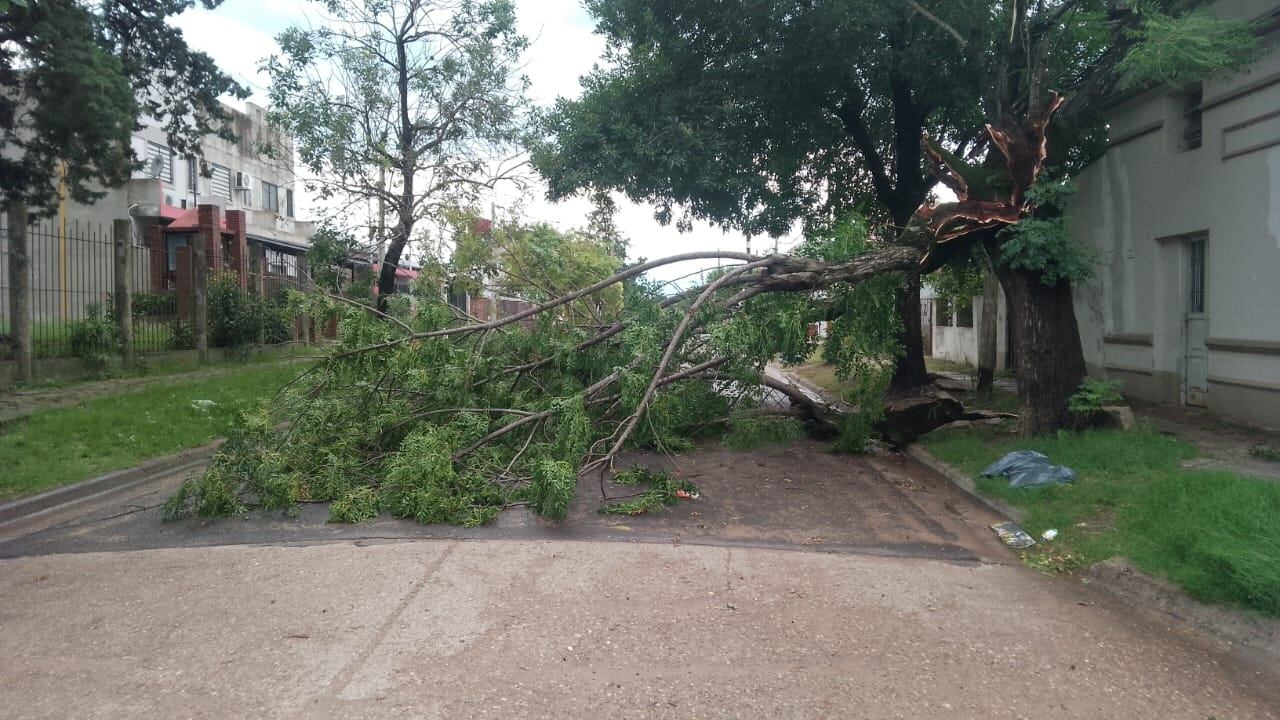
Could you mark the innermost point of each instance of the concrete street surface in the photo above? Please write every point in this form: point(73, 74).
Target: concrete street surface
point(499, 628)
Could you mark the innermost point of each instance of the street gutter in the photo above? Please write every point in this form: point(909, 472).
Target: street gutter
point(964, 483)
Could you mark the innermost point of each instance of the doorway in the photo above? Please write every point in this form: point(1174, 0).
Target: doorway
point(1196, 324)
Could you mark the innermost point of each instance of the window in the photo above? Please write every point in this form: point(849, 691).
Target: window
point(193, 174)
point(172, 242)
point(288, 202)
point(270, 197)
point(281, 263)
point(943, 317)
point(1196, 299)
point(159, 162)
point(1192, 119)
point(220, 181)
point(964, 313)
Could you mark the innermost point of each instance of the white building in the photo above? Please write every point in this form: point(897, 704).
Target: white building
point(1184, 211)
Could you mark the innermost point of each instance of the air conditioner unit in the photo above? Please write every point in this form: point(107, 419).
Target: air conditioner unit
point(244, 181)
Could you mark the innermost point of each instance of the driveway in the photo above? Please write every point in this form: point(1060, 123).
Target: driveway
point(801, 584)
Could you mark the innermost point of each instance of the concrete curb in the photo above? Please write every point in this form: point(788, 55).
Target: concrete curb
point(111, 481)
point(964, 483)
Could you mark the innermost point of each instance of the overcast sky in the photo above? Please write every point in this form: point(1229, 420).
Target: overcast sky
point(240, 33)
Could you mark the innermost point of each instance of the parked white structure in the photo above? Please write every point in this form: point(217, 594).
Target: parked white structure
point(1184, 210)
point(951, 333)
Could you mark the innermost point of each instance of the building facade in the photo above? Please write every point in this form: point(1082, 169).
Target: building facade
point(1183, 213)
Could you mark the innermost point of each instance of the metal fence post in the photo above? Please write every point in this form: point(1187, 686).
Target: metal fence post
point(20, 289)
point(200, 296)
point(123, 232)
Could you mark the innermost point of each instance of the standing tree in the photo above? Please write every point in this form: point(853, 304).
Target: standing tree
point(424, 413)
point(75, 78)
point(406, 106)
point(756, 113)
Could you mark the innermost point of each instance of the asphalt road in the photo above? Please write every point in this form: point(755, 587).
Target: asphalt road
point(800, 584)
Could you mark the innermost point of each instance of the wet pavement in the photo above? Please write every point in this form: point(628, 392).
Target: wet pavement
point(800, 584)
point(797, 496)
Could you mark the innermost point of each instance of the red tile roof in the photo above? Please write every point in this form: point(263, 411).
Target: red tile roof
point(190, 220)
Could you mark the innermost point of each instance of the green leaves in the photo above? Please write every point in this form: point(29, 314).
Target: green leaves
point(1175, 50)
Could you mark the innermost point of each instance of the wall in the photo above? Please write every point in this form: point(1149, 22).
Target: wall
point(960, 344)
point(1137, 206)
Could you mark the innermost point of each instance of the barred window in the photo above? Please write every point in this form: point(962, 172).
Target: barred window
point(281, 263)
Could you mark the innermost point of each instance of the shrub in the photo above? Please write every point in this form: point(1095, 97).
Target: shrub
point(1092, 395)
point(238, 319)
point(94, 339)
point(152, 305)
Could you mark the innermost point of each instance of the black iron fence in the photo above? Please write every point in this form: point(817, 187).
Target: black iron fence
point(70, 285)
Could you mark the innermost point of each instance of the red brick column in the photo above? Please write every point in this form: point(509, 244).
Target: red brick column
point(182, 283)
point(239, 258)
point(157, 259)
point(210, 234)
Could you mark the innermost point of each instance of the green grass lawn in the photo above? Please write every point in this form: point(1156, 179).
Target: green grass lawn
point(57, 447)
point(1215, 533)
point(52, 338)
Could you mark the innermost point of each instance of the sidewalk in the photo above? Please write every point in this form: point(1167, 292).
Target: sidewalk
point(1223, 444)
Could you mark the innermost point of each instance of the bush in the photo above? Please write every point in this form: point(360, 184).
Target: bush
point(238, 319)
point(1092, 395)
point(94, 339)
point(152, 306)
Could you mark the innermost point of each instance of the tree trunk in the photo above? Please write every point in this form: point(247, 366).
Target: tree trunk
point(387, 274)
point(909, 371)
point(1046, 340)
point(988, 335)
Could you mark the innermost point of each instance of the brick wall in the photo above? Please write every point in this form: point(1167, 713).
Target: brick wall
point(238, 255)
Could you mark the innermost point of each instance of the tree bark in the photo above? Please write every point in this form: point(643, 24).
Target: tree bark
point(20, 314)
point(988, 335)
point(1046, 340)
point(909, 371)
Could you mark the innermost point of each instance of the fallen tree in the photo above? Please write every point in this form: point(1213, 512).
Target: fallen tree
point(421, 411)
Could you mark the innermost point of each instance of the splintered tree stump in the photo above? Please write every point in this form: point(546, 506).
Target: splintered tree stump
point(907, 418)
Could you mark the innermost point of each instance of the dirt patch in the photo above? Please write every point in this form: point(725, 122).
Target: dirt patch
point(801, 494)
point(1223, 444)
point(797, 496)
point(1163, 601)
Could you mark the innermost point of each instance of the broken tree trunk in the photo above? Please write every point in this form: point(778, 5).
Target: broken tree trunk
point(988, 335)
point(906, 417)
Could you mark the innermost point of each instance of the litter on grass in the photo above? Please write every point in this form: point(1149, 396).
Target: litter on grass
point(1049, 534)
point(1012, 535)
point(1028, 468)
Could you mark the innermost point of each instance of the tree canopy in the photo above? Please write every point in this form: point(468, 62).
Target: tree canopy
point(75, 79)
point(402, 108)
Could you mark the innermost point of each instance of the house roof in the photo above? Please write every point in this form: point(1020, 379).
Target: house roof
point(400, 271)
point(190, 220)
point(282, 244)
point(171, 212)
